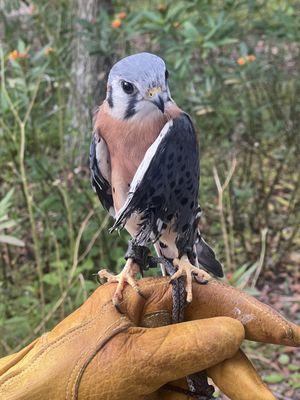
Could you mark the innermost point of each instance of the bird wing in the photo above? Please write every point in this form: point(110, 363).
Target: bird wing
point(164, 189)
point(164, 192)
point(100, 172)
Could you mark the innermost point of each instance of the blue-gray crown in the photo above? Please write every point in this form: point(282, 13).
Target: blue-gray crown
point(144, 68)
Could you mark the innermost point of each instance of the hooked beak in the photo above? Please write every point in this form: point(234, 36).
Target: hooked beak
point(155, 95)
point(159, 102)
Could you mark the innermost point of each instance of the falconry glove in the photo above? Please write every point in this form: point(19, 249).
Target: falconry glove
point(100, 353)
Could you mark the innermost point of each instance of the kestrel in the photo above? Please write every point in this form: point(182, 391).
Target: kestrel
point(144, 164)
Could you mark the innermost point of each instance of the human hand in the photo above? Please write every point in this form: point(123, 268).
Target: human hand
point(98, 353)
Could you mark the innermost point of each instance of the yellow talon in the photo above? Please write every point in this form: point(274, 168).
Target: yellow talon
point(185, 268)
point(127, 275)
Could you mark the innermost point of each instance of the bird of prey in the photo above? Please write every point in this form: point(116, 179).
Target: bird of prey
point(144, 165)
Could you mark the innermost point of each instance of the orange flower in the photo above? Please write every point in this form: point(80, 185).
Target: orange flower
point(116, 23)
point(251, 58)
point(244, 60)
point(241, 61)
point(15, 55)
point(122, 15)
point(48, 50)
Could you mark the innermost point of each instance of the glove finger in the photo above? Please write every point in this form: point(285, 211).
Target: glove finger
point(9, 361)
point(171, 352)
point(261, 322)
point(237, 378)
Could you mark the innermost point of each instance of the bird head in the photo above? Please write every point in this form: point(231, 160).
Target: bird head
point(138, 87)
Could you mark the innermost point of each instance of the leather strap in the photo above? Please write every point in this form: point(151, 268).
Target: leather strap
point(197, 383)
point(140, 254)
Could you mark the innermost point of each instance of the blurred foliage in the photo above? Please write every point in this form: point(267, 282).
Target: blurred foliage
point(6, 223)
point(233, 66)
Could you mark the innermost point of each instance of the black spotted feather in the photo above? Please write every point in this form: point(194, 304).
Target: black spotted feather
point(165, 189)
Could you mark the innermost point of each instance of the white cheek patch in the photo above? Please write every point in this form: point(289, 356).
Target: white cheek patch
point(120, 101)
point(119, 108)
point(145, 109)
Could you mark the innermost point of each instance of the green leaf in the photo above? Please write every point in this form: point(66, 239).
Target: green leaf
point(5, 203)
point(175, 10)
point(252, 291)
point(88, 265)
point(226, 41)
point(293, 367)
point(239, 272)
point(244, 278)
point(51, 279)
point(284, 359)
point(11, 240)
point(21, 46)
point(209, 45)
point(274, 378)
point(153, 17)
point(7, 224)
point(190, 31)
point(91, 285)
point(294, 381)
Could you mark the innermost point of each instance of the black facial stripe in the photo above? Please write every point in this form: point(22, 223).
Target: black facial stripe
point(131, 107)
point(109, 98)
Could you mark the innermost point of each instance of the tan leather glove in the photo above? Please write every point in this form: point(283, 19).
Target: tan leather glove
point(98, 353)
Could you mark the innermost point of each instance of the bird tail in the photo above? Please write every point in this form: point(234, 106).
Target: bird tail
point(207, 258)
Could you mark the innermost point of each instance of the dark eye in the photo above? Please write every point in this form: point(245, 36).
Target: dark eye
point(127, 87)
point(167, 74)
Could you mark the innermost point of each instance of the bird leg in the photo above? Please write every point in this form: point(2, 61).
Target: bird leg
point(127, 275)
point(185, 268)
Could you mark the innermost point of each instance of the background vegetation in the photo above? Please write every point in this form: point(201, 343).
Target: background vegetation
point(234, 66)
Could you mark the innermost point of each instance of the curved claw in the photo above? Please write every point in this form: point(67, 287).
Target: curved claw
point(104, 274)
point(127, 275)
point(201, 280)
point(185, 268)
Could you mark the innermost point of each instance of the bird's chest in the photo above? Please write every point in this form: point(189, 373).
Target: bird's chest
point(126, 156)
